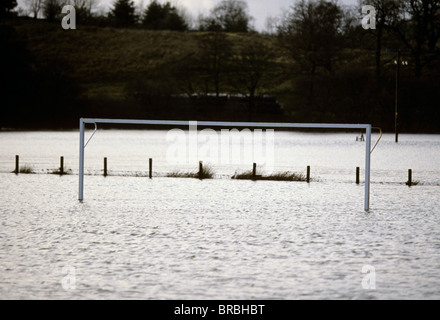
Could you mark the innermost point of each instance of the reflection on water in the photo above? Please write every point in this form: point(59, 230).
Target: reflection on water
point(170, 238)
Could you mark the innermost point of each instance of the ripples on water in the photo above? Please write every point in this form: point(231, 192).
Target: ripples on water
point(170, 238)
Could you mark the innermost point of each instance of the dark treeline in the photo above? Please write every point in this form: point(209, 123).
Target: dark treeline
point(318, 64)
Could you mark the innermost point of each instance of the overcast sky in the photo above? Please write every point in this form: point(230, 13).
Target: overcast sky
point(260, 10)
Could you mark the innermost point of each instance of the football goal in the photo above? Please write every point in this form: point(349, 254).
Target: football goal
point(216, 124)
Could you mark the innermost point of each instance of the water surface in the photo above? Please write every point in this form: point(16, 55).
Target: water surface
point(171, 238)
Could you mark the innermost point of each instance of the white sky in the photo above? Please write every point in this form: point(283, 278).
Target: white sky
point(260, 10)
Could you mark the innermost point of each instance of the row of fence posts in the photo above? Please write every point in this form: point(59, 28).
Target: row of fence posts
point(150, 171)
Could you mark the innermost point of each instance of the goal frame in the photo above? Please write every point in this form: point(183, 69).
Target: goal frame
point(269, 125)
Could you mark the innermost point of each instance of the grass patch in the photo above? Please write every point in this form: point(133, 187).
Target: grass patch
point(61, 173)
point(247, 175)
point(206, 173)
point(279, 176)
point(26, 169)
point(286, 176)
point(180, 174)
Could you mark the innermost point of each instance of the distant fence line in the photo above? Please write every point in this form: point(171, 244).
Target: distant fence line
point(206, 173)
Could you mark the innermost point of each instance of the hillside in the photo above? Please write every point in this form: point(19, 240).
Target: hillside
point(141, 73)
point(55, 74)
point(103, 60)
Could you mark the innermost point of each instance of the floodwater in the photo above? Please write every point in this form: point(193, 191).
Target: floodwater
point(176, 238)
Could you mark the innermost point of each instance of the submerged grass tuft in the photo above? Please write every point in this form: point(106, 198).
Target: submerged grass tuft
point(206, 173)
point(61, 173)
point(286, 176)
point(26, 169)
point(413, 183)
point(180, 174)
point(280, 176)
point(247, 175)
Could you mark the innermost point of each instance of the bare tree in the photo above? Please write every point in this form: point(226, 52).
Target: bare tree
point(34, 6)
point(420, 32)
point(312, 32)
point(214, 59)
point(387, 13)
point(254, 68)
point(272, 24)
point(52, 9)
point(84, 9)
point(229, 16)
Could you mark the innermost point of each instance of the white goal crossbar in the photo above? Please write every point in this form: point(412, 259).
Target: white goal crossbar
point(366, 127)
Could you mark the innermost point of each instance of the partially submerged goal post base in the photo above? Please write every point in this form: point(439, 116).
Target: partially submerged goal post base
point(366, 127)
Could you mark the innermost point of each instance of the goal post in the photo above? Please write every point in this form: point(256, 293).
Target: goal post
point(366, 127)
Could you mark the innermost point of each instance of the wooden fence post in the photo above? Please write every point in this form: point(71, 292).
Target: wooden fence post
point(357, 175)
point(61, 165)
point(105, 167)
point(17, 164)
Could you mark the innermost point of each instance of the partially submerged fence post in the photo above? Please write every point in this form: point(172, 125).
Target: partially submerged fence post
point(151, 168)
point(308, 174)
point(61, 165)
point(17, 164)
point(254, 171)
point(409, 183)
point(200, 168)
point(357, 175)
point(105, 167)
